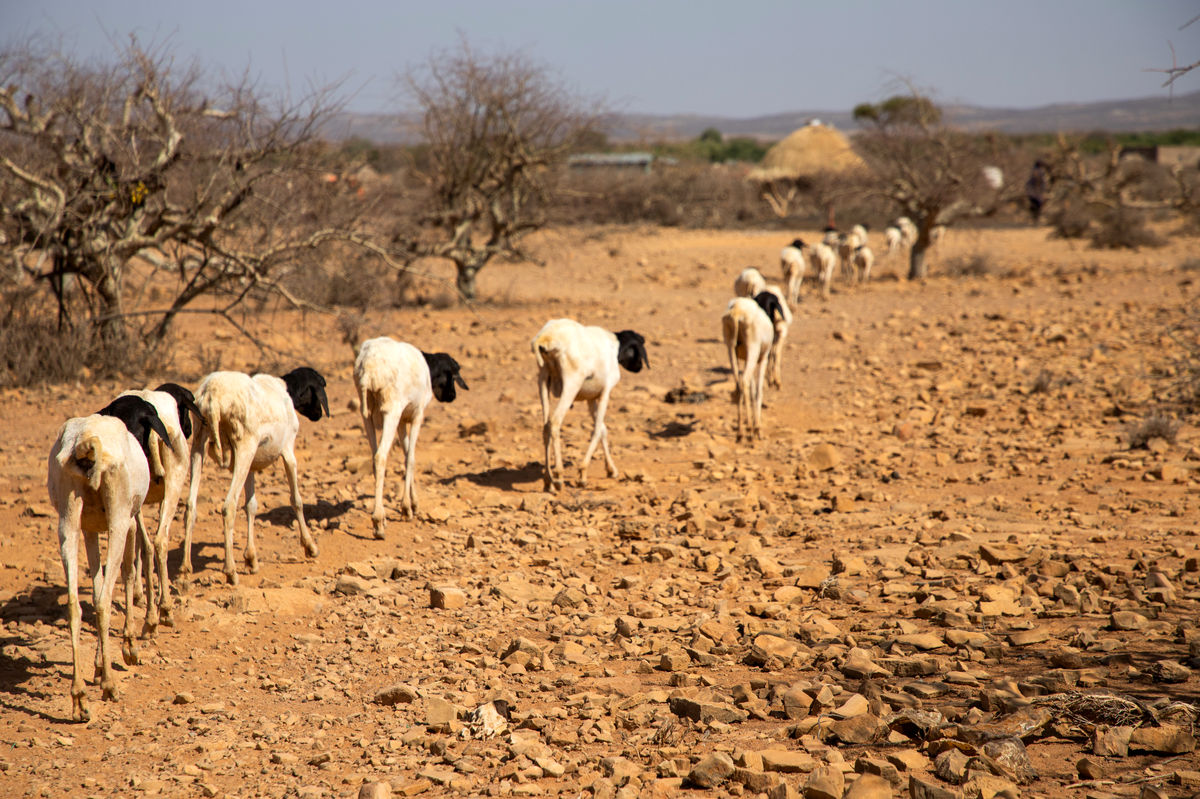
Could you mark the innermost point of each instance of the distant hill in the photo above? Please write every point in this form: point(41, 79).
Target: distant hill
point(1117, 116)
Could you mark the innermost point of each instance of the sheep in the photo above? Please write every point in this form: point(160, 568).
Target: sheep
point(580, 363)
point(97, 478)
point(908, 231)
point(936, 234)
point(254, 420)
point(749, 282)
point(396, 383)
point(782, 322)
point(169, 462)
point(749, 333)
point(859, 232)
point(892, 237)
point(863, 259)
point(792, 260)
point(830, 236)
point(823, 260)
point(845, 253)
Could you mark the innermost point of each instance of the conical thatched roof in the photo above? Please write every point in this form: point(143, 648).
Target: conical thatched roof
point(807, 151)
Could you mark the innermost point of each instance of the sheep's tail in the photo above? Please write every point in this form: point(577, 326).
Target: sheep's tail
point(541, 346)
point(91, 459)
point(213, 415)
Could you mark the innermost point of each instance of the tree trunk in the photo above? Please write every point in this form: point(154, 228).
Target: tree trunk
point(917, 266)
point(108, 289)
point(465, 280)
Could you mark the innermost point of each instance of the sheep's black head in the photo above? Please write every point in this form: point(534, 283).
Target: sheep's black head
point(306, 387)
point(770, 305)
point(185, 401)
point(798, 244)
point(443, 374)
point(631, 350)
point(139, 417)
point(831, 229)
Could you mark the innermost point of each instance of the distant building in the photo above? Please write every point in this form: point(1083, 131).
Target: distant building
point(1186, 157)
point(642, 161)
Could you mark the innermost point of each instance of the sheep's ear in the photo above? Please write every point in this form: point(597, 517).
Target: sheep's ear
point(185, 403)
point(462, 383)
point(157, 426)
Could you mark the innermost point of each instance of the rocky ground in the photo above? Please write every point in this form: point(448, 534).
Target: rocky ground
point(944, 572)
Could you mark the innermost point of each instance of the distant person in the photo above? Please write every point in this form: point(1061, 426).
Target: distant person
point(1035, 189)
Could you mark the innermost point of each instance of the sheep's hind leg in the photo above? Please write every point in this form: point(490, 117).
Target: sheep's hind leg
point(306, 538)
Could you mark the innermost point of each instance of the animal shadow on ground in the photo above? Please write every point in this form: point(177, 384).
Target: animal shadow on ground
point(282, 516)
point(23, 657)
point(675, 429)
point(502, 477)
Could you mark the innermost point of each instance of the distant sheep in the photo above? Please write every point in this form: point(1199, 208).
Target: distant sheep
point(577, 362)
point(396, 383)
point(863, 259)
point(892, 238)
point(823, 260)
point(253, 419)
point(748, 331)
point(749, 282)
point(792, 261)
point(782, 322)
point(97, 478)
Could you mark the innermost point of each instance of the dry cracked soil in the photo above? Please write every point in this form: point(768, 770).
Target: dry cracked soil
point(943, 572)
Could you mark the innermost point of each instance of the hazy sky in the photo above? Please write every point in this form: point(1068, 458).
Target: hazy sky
point(740, 58)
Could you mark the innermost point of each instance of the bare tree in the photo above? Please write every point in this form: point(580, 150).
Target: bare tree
point(929, 171)
point(494, 125)
point(137, 158)
point(1176, 70)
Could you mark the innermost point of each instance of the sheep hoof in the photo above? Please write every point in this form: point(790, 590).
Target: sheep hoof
point(231, 577)
point(109, 692)
point(168, 617)
point(379, 531)
point(79, 708)
point(130, 654)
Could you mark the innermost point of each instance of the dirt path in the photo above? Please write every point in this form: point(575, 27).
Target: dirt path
point(943, 518)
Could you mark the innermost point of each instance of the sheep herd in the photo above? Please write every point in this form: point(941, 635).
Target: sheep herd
point(104, 467)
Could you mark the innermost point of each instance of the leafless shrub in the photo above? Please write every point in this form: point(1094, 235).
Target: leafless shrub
point(1154, 426)
point(34, 349)
point(1124, 228)
point(1042, 383)
point(976, 265)
point(1071, 221)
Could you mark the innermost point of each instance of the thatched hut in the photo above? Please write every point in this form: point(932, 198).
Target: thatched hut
point(810, 150)
point(790, 166)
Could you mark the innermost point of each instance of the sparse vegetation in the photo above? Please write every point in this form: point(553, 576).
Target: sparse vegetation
point(1124, 228)
point(1151, 427)
point(975, 265)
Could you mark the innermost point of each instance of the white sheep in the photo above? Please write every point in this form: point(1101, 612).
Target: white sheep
point(864, 259)
point(580, 363)
point(792, 260)
point(169, 463)
point(893, 238)
point(845, 253)
point(823, 260)
point(396, 383)
point(830, 236)
point(748, 333)
point(936, 234)
point(97, 478)
point(908, 231)
point(253, 419)
point(859, 232)
point(782, 323)
point(749, 282)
